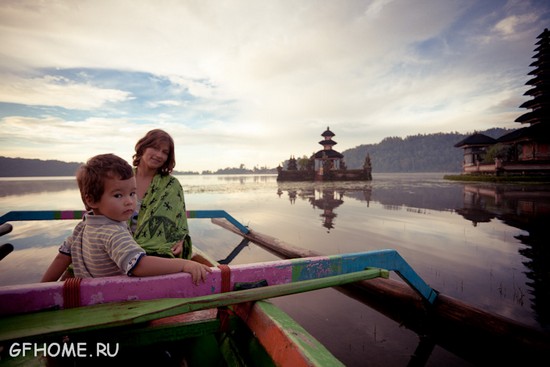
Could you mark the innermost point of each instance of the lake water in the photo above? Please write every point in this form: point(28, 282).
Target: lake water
point(484, 244)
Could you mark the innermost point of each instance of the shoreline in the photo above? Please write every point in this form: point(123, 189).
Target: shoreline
point(498, 179)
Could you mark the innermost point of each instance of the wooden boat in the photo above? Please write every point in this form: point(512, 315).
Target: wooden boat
point(225, 314)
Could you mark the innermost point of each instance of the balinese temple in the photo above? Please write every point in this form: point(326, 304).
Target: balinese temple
point(475, 147)
point(325, 165)
point(525, 151)
point(327, 156)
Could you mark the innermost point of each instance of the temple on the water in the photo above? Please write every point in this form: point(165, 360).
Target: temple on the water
point(325, 165)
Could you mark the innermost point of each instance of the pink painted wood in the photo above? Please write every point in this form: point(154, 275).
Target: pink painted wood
point(41, 296)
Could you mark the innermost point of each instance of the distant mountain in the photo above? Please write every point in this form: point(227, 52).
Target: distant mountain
point(20, 167)
point(417, 153)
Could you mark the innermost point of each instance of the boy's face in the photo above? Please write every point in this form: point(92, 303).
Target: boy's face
point(118, 201)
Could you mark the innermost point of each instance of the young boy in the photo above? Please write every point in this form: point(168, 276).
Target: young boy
point(102, 245)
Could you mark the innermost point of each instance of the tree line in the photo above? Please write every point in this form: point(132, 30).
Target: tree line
point(416, 153)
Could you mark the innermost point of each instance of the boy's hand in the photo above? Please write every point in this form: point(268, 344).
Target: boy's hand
point(197, 270)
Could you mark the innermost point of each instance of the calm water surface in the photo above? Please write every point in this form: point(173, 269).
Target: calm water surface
point(479, 243)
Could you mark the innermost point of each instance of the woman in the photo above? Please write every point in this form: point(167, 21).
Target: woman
point(159, 224)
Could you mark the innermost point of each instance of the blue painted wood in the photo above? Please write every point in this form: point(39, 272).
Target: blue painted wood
point(388, 259)
point(28, 215)
point(217, 214)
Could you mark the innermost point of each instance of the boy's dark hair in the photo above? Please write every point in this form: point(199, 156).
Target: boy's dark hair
point(152, 139)
point(91, 176)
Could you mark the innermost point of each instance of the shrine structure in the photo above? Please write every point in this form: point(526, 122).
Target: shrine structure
point(325, 165)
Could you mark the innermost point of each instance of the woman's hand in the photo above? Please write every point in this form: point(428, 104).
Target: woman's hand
point(177, 248)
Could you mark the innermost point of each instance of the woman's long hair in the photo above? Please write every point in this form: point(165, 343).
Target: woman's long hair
point(153, 139)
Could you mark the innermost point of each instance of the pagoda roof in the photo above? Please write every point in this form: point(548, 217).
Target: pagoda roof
point(541, 71)
point(537, 62)
point(328, 142)
point(536, 91)
point(514, 135)
point(327, 132)
point(538, 115)
point(536, 102)
point(538, 132)
point(544, 33)
point(476, 140)
point(538, 80)
point(331, 154)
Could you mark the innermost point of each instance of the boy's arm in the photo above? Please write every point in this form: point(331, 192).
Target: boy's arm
point(154, 265)
point(57, 267)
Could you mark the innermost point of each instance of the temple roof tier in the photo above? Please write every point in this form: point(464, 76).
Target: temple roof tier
point(327, 132)
point(476, 140)
point(331, 154)
point(328, 142)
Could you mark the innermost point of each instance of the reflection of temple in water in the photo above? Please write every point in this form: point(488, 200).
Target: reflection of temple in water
point(526, 208)
point(327, 199)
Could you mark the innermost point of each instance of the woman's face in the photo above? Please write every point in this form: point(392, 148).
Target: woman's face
point(155, 157)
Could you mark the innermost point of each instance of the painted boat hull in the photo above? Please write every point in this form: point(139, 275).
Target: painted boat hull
point(93, 291)
point(279, 339)
point(254, 333)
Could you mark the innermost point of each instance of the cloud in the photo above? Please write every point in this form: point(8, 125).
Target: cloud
point(57, 91)
point(55, 138)
point(511, 26)
point(254, 82)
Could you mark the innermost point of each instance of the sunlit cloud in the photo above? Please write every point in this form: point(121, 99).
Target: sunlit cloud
point(59, 92)
point(253, 82)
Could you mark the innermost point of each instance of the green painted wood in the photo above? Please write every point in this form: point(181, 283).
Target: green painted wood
point(315, 352)
point(59, 322)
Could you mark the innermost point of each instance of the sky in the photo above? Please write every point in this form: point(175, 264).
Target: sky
point(247, 82)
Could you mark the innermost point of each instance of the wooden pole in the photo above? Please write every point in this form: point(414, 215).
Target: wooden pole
point(469, 332)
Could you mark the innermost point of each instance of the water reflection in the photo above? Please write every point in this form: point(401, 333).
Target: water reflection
point(418, 195)
point(244, 178)
point(21, 186)
point(327, 199)
point(525, 207)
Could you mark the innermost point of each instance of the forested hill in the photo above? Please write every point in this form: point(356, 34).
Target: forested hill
point(416, 153)
point(19, 167)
